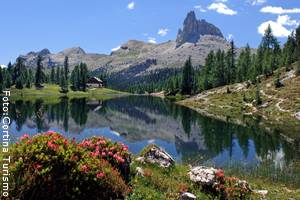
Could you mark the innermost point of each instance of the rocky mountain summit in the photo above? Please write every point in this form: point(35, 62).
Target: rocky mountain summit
point(137, 59)
point(193, 29)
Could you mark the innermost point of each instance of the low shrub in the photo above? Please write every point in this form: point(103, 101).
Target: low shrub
point(48, 166)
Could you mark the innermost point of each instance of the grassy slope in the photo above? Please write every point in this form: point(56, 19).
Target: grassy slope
point(281, 104)
point(51, 93)
point(159, 183)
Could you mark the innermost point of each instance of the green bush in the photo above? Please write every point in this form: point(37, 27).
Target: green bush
point(48, 166)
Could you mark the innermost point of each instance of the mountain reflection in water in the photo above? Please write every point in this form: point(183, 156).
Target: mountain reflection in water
point(140, 120)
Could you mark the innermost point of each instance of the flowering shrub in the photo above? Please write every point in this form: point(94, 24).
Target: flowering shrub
point(115, 153)
point(230, 187)
point(48, 166)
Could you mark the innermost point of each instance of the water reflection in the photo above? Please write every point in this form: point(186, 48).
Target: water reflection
point(138, 121)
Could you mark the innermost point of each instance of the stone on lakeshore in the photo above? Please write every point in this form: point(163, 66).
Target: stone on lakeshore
point(203, 175)
point(139, 171)
point(187, 196)
point(156, 155)
point(263, 193)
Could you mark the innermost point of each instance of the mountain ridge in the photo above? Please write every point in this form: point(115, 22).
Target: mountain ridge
point(196, 39)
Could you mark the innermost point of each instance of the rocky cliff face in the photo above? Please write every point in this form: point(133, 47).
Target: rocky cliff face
point(193, 29)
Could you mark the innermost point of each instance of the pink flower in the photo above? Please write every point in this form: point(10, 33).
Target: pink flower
point(103, 154)
point(100, 175)
point(50, 133)
point(25, 136)
point(85, 168)
point(37, 166)
point(51, 145)
point(110, 153)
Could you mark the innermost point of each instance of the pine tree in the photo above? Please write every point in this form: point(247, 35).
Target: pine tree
point(18, 72)
point(257, 96)
point(271, 52)
point(298, 69)
point(297, 40)
point(75, 78)
point(1, 79)
point(187, 78)
point(7, 79)
point(39, 72)
point(277, 82)
point(52, 75)
point(83, 76)
point(230, 63)
point(57, 76)
point(66, 73)
point(219, 69)
point(62, 82)
point(28, 81)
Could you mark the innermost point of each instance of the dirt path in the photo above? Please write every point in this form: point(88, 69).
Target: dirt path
point(280, 100)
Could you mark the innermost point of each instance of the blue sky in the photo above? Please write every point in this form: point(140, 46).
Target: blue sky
point(98, 26)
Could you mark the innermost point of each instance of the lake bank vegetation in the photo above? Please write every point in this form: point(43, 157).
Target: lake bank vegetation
point(97, 168)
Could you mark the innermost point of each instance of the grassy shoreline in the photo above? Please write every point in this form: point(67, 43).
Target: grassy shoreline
point(276, 114)
point(50, 93)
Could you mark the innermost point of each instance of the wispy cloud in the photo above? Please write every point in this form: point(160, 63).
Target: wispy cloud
point(200, 8)
point(163, 31)
point(131, 5)
point(257, 2)
point(116, 48)
point(221, 8)
point(279, 10)
point(152, 40)
point(279, 27)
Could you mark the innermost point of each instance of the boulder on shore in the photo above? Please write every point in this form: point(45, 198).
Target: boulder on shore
point(203, 175)
point(156, 155)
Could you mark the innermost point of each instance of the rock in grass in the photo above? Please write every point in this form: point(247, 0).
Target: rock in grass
point(187, 196)
point(139, 171)
point(156, 155)
point(262, 193)
point(203, 175)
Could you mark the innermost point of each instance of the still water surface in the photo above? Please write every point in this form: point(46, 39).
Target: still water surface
point(139, 120)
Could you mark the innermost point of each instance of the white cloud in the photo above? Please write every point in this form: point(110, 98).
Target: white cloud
point(279, 10)
point(224, 1)
point(279, 26)
point(200, 8)
point(163, 31)
point(152, 40)
point(221, 8)
point(3, 66)
point(257, 2)
point(131, 5)
point(116, 49)
point(230, 36)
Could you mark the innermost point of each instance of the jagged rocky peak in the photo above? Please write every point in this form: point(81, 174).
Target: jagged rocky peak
point(193, 29)
point(44, 52)
point(73, 50)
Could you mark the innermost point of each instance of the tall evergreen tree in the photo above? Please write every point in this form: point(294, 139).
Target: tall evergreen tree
point(66, 73)
point(230, 62)
point(271, 52)
point(52, 75)
point(2, 85)
point(75, 78)
point(39, 72)
point(297, 40)
point(18, 72)
point(187, 78)
point(83, 76)
point(57, 75)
